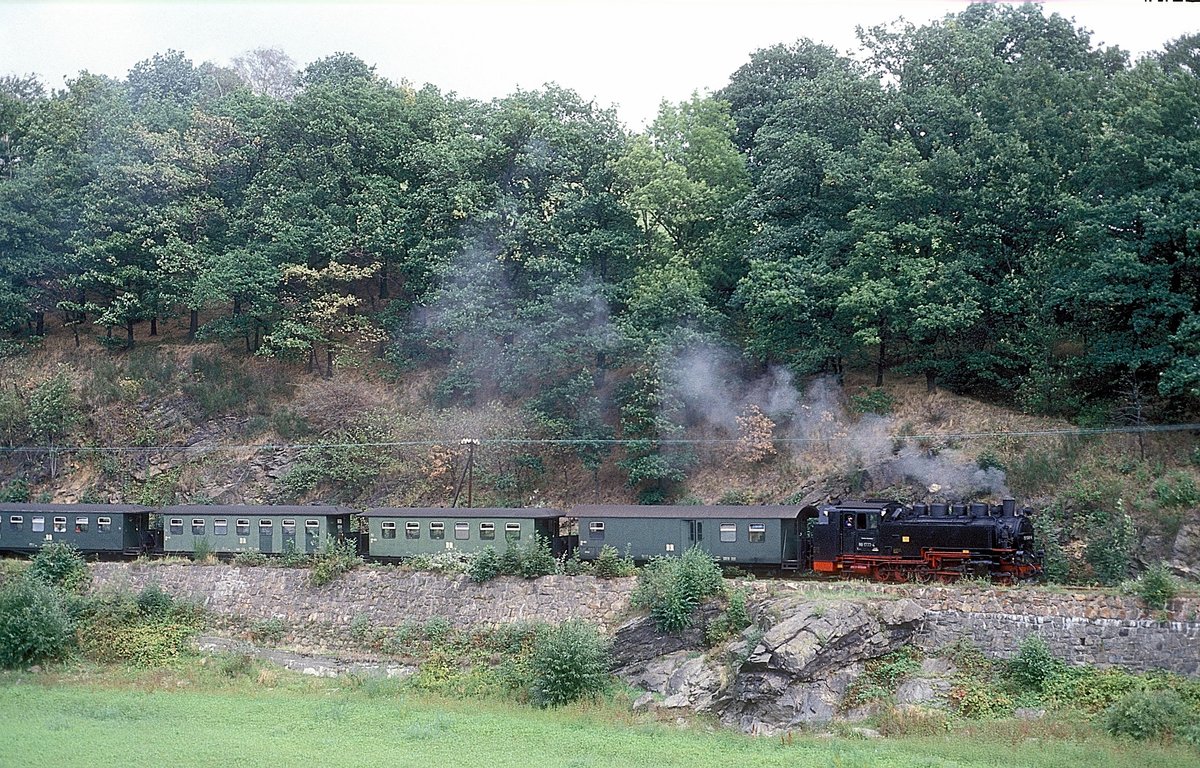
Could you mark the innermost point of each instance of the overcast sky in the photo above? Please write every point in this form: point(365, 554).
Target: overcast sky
point(621, 53)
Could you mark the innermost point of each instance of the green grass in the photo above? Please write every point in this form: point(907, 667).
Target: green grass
point(207, 716)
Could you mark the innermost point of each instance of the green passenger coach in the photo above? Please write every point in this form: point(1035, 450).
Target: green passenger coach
point(398, 532)
point(762, 535)
point(271, 530)
point(119, 529)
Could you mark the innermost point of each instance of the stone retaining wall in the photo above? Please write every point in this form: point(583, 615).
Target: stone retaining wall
point(1080, 628)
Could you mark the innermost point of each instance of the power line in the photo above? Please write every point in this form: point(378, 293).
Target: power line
point(834, 438)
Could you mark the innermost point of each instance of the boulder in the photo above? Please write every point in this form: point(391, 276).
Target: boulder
point(800, 669)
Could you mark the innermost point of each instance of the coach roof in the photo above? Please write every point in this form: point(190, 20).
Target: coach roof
point(534, 513)
point(687, 512)
point(261, 510)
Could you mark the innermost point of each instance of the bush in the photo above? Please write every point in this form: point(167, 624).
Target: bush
point(1033, 666)
point(537, 560)
point(485, 565)
point(733, 620)
point(143, 630)
point(34, 623)
point(268, 631)
point(59, 564)
point(1156, 587)
point(1149, 714)
point(202, 551)
point(610, 565)
point(250, 559)
point(293, 557)
point(569, 662)
point(336, 558)
point(152, 601)
point(671, 588)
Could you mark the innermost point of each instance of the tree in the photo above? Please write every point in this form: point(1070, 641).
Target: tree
point(52, 412)
point(268, 72)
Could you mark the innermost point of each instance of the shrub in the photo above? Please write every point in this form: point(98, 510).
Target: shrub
point(250, 559)
point(485, 565)
point(873, 400)
point(569, 662)
point(202, 551)
point(537, 560)
point(293, 557)
point(59, 564)
point(1149, 714)
point(34, 623)
point(267, 631)
point(152, 601)
point(733, 620)
point(1156, 587)
point(610, 565)
point(1033, 666)
point(336, 558)
point(671, 588)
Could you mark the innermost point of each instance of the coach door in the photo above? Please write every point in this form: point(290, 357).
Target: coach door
point(859, 533)
point(693, 534)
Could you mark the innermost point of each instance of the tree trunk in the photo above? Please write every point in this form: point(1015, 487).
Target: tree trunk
point(154, 326)
point(383, 280)
point(930, 380)
point(129, 333)
point(40, 322)
point(328, 363)
point(312, 360)
point(879, 363)
point(193, 324)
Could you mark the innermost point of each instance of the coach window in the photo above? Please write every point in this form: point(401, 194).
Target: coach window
point(81, 525)
point(312, 526)
point(412, 530)
point(437, 531)
point(242, 528)
point(289, 527)
point(60, 525)
point(462, 531)
point(39, 524)
point(264, 526)
point(197, 526)
point(103, 524)
point(387, 530)
point(758, 533)
point(221, 526)
point(728, 532)
point(16, 522)
point(596, 530)
point(487, 531)
point(175, 525)
point(512, 531)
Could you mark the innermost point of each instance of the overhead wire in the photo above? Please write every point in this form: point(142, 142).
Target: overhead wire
point(697, 441)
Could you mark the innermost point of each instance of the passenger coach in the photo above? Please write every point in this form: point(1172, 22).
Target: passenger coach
point(272, 530)
point(101, 529)
point(764, 535)
point(397, 532)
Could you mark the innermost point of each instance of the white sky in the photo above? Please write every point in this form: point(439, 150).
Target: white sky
point(621, 53)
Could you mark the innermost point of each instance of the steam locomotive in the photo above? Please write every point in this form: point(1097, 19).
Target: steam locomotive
point(878, 539)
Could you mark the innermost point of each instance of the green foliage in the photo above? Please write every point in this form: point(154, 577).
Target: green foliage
point(1157, 587)
point(144, 630)
point(292, 557)
point(250, 559)
point(1110, 541)
point(16, 491)
point(346, 461)
point(219, 385)
point(360, 626)
point(202, 550)
point(335, 559)
point(672, 588)
point(873, 400)
point(1033, 666)
point(485, 565)
point(1177, 489)
point(530, 561)
point(53, 408)
point(569, 663)
point(732, 620)
point(34, 623)
point(610, 565)
point(883, 675)
point(269, 631)
point(60, 565)
point(1150, 715)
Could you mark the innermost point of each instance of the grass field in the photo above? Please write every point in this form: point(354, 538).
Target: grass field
point(98, 717)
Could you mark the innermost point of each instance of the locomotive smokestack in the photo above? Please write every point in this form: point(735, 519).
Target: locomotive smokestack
point(937, 510)
point(978, 509)
point(920, 510)
point(1010, 507)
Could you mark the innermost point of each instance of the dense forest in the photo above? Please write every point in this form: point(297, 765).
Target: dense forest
point(988, 202)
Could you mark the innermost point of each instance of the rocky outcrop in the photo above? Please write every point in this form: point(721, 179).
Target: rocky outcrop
point(794, 667)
